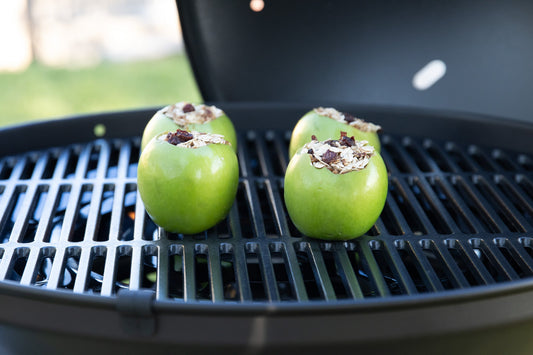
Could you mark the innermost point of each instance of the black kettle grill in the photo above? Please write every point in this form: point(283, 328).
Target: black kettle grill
point(446, 269)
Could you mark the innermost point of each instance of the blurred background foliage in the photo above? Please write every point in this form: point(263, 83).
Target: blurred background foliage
point(69, 57)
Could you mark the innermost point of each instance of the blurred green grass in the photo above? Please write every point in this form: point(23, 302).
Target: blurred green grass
point(41, 92)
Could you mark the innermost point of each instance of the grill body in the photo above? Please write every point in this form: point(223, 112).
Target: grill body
point(448, 265)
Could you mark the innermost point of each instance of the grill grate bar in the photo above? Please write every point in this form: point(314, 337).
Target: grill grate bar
point(295, 274)
point(399, 269)
point(454, 272)
point(348, 274)
point(84, 266)
point(463, 216)
point(31, 267)
point(372, 269)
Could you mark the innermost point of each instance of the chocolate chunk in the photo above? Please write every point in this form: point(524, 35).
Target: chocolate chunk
point(313, 137)
point(310, 151)
point(331, 142)
point(188, 108)
point(348, 118)
point(178, 137)
point(347, 141)
point(329, 157)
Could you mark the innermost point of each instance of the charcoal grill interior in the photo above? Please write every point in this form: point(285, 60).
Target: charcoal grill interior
point(458, 215)
point(454, 239)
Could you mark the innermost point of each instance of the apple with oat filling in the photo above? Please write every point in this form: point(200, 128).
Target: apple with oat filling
point(187, 180)
point(325, 123)
point(335, 189)
point(190, 117)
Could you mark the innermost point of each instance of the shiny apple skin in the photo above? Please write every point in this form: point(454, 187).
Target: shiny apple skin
point(331, 206)
point(187, 190)
point(326, 128)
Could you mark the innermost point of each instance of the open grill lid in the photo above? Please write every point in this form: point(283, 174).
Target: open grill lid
point(458, 215)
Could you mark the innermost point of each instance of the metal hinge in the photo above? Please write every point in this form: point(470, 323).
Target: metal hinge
point(135, 308)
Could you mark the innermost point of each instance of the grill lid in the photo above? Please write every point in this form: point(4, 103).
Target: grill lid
point(458, 216)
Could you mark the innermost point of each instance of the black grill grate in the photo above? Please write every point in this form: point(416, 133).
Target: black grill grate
point(456, 217)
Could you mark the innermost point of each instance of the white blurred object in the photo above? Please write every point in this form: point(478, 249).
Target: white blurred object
point(80, 33)
point(15, 45)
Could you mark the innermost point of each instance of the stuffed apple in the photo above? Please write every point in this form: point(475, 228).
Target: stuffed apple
point(335, 189)
point(325, 123)
point(187, 180)
point(190, 117)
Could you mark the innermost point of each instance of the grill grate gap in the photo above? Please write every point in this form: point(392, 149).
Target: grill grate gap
point(97, 266)
point(480, 250)
point(306, 269)
point(227, 265)
point(6, 168)
point(149, 267)
point(253, 166)
point(412, 265)
point(266, 209)
point(255, 274)
point(13, 203)
point(443, 273)
point(513, 258)
point(334, 272)
point(69, 272)
point(201, 273)
point(245, 215)
point(114, 154)
point(450, 204)
point(29, 167)
point(458, 157)
point(175, 272)
point(429, 207)
point(275, 155)
point(504, 161)
point(34, 213)
point(44, 267)
point(279, 263)
point(463, 263)
point(383, 260)
point(294, 232)
point(406, 208)
point(123, 270)
point(481, 159)
point(127, 223)
point(390, 147)
point(417, 156)
point(518, 202)
point(497, 204)
point(390, 221)
point(437, 156)
point(72, 162)
point(367, 285)
point(134, 158)
point(474, 205)
point(18, 264)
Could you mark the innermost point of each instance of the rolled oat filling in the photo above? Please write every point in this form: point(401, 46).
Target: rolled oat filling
point(346, 118)
point(184, 113)
point(193, 139)
point(339, 156)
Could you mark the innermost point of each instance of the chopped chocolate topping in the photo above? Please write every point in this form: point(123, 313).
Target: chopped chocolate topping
point(340, 156)
point(188, 108)
point(329, 157)
point(313, 137)
point(348, 118)
point(184, 114)
point(178, 137)
point(193, 139)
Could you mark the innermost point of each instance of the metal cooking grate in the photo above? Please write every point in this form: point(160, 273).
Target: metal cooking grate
point(456, 216)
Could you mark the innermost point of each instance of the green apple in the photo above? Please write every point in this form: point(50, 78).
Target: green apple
point(326, 123)
point(328, 199)
point(190, 117)
point(187, 180)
